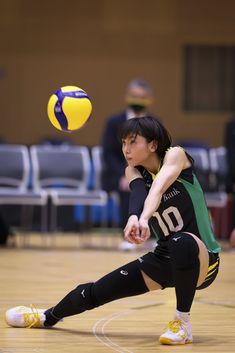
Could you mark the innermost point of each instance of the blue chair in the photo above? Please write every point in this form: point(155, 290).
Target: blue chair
point(201, 165)
point(63, 171)
point(14, 181)
point(113, 204)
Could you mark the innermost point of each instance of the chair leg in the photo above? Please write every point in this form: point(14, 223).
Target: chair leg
point(26, 216)
point(44, 222)
point(104, 217)
point(44, 218)
point(53, 220)
point(26, 220)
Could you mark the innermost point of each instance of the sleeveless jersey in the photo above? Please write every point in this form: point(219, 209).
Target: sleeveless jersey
point(182, 209)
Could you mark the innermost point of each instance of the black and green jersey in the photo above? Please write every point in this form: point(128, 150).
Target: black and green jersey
point(182, 209)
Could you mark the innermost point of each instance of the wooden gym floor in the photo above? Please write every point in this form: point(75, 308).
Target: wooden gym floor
point(42, 275)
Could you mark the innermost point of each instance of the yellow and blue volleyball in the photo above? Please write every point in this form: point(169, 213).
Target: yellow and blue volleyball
point(69, 108)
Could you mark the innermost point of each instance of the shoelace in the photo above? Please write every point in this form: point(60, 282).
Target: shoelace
point(174, 325)
point(35, 315)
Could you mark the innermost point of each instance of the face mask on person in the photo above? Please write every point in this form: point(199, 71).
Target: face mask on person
point(137, 108)
point(138, 104)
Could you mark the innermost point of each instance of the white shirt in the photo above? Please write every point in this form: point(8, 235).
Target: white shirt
point(131, 114)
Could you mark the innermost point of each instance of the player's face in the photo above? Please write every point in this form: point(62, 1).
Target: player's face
point(137, 151)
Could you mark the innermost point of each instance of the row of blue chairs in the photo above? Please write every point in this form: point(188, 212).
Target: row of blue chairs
point(212, 169)
point(52, 176)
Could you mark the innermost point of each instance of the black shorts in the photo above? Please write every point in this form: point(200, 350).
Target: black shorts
point(159, 268)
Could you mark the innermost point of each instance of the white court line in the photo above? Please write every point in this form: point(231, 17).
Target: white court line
point(107, 322)
point(103, 338)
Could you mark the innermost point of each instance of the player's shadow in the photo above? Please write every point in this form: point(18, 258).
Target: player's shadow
point(142, 339)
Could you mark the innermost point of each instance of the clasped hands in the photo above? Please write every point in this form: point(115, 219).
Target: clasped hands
point(137, 230)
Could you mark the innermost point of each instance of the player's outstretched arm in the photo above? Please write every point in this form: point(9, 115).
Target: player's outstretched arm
point(174, 162)
point(136, 203)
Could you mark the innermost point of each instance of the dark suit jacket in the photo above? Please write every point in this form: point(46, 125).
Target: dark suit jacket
point(230, 146)
point(114, 161)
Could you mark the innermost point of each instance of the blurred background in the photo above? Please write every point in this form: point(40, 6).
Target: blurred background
point(186, 49)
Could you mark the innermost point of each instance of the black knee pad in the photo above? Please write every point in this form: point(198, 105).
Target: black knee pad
point(184, 251)
point(126, 281)
point(81, 297)
point(75, 302)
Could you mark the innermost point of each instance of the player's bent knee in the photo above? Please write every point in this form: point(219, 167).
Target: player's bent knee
point(184, 251)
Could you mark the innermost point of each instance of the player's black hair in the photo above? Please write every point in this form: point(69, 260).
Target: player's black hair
point(150, 128)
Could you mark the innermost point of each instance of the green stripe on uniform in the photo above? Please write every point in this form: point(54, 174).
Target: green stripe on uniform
point(199, 204)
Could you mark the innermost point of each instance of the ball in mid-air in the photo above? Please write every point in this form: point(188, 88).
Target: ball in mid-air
point(69, 108)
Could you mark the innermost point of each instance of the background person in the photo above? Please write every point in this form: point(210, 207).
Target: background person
point(229, 142)
point(138, 98)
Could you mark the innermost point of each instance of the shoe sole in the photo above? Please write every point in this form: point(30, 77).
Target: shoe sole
point(164, 340)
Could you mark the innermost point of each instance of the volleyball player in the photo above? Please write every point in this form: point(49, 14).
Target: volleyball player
point(166, 200)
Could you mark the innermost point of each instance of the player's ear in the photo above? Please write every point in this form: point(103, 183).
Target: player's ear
point(153, 145)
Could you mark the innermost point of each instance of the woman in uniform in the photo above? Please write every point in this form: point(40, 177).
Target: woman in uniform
point(166, 200)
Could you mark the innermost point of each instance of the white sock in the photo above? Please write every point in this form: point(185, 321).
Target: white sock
point(182, 316)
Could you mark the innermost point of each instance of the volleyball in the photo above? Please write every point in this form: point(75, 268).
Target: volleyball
point(69, 108)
